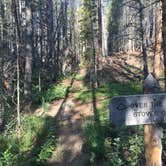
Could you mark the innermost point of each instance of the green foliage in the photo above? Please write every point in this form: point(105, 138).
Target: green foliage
point(94, 141)
point(55, 92)
point(82, 65)
point(46, 151)
point(84, 96)
point(36, 95)
point(79, 77)
point(45, 105)
point(74, 89)
point(35, 145)
point(87, 13)
point(124, 147)
point(114, 145)
point(10, 155)
point(110, 90)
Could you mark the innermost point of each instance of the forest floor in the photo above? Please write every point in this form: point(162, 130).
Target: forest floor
point(70, 115)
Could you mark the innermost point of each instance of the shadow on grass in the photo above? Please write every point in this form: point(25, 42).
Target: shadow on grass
point(105, 143)
point(37, 142)
point(110, 90)
point(34, 147)
point(44, 145)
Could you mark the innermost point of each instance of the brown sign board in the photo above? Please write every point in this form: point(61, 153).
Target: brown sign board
point(138, 109)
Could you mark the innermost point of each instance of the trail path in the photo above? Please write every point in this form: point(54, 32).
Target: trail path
point(70, 116)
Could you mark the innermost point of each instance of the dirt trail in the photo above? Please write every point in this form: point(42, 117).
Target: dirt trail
point(70, 117)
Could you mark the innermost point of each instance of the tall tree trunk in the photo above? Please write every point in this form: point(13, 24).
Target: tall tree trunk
point(99, 22)
point(18, 42)
point(158, 43)
point(164, 35)
point(28, 57)
point(143, 40)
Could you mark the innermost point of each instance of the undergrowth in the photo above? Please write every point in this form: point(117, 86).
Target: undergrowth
point(110, 90)
point(55, 91)
point(107, 143)
point(38, 134)
point(35, 144)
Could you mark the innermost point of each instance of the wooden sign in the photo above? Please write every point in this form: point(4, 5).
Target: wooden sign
point(147, 109)
point(138, 109)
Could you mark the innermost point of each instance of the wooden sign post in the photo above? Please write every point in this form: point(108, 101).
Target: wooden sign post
point(148, 109)
point(152, 133)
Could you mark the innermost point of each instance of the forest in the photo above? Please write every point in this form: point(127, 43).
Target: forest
point(61, 62)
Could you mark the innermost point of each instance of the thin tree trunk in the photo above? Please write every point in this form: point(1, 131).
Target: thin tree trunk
point(158, 43)
point(164, 35)
point(99, 22)
point(28, 58)
point(18, 41)
point(143, 40)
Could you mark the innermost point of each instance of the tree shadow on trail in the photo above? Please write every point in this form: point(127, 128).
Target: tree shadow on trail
point(46, 140)
point(69, 122)
point(65, 98)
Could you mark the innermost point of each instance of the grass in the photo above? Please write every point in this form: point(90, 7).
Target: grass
point(114, 146)
point(35, 145)
point(53, 92)
point(38, 134)
point(79, 77)
point(38, 137)
point(110, 90)
point(74, 89)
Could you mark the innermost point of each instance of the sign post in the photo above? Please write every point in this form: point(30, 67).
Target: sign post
point(147, 109)
point(153, 133)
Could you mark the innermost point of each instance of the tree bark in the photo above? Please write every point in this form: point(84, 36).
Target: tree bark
point(28, 52)
point(18, 42)
point(158, 43)
point(164, 35)
point(99, 22)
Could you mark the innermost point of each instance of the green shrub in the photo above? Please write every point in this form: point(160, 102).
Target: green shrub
point(84, 96)
point(46, 150)
point(52, 92)
point(114, 145)
point(35, 145)
point(74, 89)
point(94, 141)
point(79, 77)
point(110, 90)
point(9, 156)
point(55, 92)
